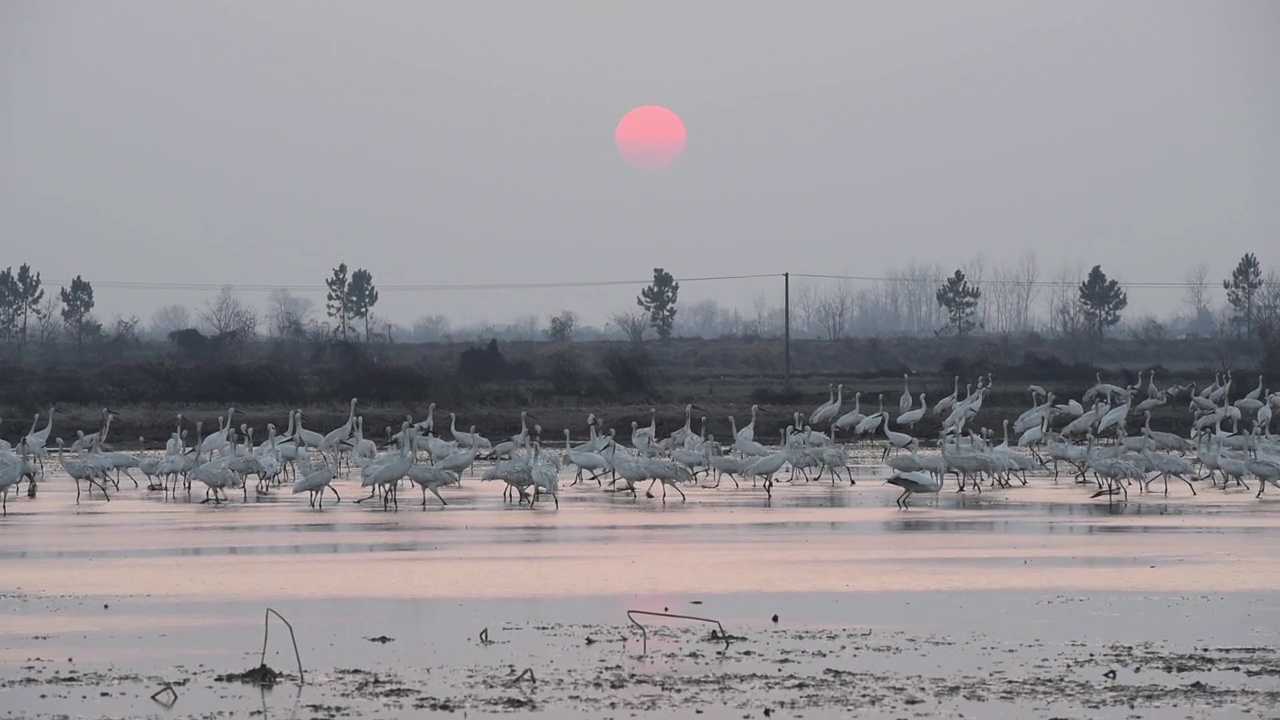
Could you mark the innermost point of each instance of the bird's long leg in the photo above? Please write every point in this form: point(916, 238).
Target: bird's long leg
point(77, 490)
point(336, 497)
point(436, 492)
point(1193, 487)
point(372, 493)
point(682, 495)
point(648, 492)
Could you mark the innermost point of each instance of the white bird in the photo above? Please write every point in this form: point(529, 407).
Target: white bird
point(461, 459)
point(1036, 435)
point(506, 447)
point(724, 464)
point(897, 439)
point(911, 417)
point(904, 402)
point(945, 404)
point(431, 477)
point(335, 440)
point(1167, 465)
point(868, 424)
point(218, 442)
point(768, 466)
point(912, 483)
point(386, 475)
point(1115, 417)
point(851, 418)
point(1071, 408)
point(11, 473)
point(748, 431)
point(828, 410)
point(745, 445)
point(467, 439)
point(1161, 399)
point(316, 480)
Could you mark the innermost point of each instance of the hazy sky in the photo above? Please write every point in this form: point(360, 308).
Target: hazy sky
point(472, 141)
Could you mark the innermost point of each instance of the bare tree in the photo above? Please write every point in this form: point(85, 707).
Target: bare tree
point(1196, 297)
point(708, 319)
point(287, 315)
point(1066, 316)
point(49, 321)
point(877, 310)
point(1025, 289)
point(634, 323)
point(835, 309)
point(768, 317)
point(169, 318)
point(805, 316)
point(226, 314)
point(430, 328)
point(918, 308)
point(523, 328)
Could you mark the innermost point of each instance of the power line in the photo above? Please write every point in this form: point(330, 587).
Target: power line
point(569, 284)
point(985, 281)
point(440, 287)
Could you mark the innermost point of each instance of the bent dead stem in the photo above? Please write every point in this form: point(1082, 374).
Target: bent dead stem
point(266, 631)
point(644, 633)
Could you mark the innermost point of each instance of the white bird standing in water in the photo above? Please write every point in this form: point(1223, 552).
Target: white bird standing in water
point(912, 483)
point(316, 480)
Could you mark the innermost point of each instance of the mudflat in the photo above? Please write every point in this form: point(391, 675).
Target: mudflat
point(1033, 601)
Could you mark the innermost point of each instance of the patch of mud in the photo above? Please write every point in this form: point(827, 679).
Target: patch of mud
point(786, 671)
point(262, 676)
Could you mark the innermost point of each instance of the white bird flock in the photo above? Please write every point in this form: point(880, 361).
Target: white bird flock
point(1104, 441)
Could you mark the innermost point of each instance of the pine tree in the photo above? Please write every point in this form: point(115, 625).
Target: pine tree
point(959, 299)
point(361, 297)
point(77, 304)
point(29, 297)
point(1242, 291)
point(1101, 301)
point(8, 303)
point(659, 300)
point(338, 304)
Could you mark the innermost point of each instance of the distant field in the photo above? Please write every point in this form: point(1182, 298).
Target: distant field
point(487, 385)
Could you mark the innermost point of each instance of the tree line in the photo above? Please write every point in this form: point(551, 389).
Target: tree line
point(918, 300)
point(1099, 301)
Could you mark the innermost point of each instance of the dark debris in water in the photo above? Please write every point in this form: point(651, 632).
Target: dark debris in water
point(262, 676)
point(795, 671)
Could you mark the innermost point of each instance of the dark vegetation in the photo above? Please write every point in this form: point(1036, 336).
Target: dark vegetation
point(488, 383)
point(308, 364)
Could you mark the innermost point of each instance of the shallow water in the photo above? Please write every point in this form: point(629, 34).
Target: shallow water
point(1011, 602)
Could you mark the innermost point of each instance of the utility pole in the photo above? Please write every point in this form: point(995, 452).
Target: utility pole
point(786, 323)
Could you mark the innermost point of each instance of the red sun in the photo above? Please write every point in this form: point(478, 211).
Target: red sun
point(650, 137)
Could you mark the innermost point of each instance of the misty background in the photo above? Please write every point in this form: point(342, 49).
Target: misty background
point(163, 150)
